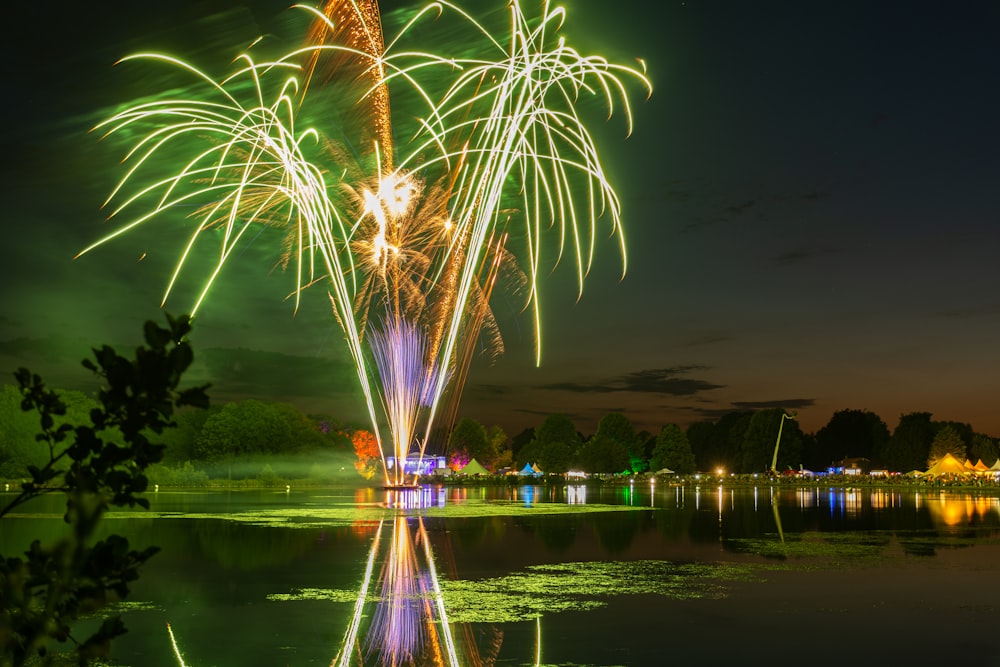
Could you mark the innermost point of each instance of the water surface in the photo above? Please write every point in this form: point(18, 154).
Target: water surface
point(566, 575)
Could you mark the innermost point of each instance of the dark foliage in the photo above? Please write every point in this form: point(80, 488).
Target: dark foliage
point(96, 465)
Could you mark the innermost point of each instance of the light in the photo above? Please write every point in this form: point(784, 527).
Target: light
point(396, 193)
point(501, 134)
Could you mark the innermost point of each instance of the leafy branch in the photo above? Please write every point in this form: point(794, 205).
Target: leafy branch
point(96, 465)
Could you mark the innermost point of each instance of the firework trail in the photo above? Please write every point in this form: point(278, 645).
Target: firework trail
point(409, 237)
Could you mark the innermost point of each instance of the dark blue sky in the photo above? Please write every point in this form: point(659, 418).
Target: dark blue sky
point(809, 200)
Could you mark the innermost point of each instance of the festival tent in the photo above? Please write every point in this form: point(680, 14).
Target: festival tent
point(996, 466)
point(948, 464)
point(473, 467)
point(980, 466)
point(529, 469)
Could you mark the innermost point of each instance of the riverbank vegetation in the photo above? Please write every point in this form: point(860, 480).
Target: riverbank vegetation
point(254, 443)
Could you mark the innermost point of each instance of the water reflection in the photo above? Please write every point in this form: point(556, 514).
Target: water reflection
point(944, 509)
point(400, 617)
point(320, 577)
point(577, 494)
point(409, 623)
point(954, 512)
point(528, 494)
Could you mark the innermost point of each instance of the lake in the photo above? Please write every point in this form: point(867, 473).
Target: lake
point(556, 575)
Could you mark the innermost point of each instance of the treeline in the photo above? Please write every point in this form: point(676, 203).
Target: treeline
point(739, 442)
point(249, 440)
point(265, 442)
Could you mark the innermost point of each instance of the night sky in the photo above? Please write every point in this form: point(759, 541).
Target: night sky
point(810, 201)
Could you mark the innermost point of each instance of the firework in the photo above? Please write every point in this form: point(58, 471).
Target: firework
point(409, 237)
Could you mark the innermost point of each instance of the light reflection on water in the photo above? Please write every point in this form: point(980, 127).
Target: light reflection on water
point(387, 581)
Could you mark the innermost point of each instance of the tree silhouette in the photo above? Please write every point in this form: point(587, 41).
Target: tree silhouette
point(97, 463)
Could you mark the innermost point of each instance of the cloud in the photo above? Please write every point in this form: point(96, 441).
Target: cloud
point(784, 403)
point(664, 381)
point(705, 413)
point(494, 389)
point(714, 412)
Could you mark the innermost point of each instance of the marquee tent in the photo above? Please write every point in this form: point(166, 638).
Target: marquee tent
point(529, 469)
point(473, 467)
point(948, 464)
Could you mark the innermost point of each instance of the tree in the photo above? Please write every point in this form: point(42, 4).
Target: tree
point(963, 430)
point(18, 447)
point(947, 441)
point(498, 442)
point(333, 435)
point(648, 441)
point(811, 456)
point(520, 441)
point(97, 464)
point(181, 441)
point(368, 452)
point(910, 445)
point(557, 428)
point(983, 448)
point(673, 451)
point(555, 457)
point(222, 437)
point(253, 427)
point(707, 455)
point(602, 454)
point(469, 441)
point(557, 432)
point(757, 448)
point(717, 445)
point(297, 431)
point(761, 437)
point(616, 427)
point(852, 433)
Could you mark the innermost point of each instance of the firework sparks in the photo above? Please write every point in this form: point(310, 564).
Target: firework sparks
point(411, 238)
